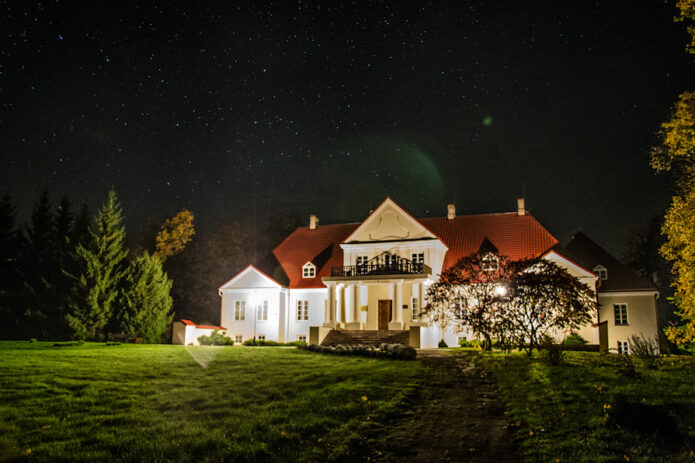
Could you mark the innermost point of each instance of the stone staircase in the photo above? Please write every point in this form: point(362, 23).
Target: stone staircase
point(368, 337)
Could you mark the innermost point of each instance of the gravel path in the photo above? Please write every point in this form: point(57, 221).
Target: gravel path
point(457, 417)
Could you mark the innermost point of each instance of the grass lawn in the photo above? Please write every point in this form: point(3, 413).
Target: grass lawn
point(591, 409)
point(173, 403)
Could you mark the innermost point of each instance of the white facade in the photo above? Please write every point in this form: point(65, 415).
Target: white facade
point(356, 298)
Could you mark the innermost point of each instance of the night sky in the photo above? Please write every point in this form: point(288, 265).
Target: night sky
point(235, 109)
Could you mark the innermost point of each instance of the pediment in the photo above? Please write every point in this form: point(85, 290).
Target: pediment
point(389, 222)
point(250, 277)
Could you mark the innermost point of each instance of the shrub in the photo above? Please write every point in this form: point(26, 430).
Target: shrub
point(574, 339)
point(646, 349)
point(262, 342)
point(390, 351)
point(552, 350)
point(463, 342)
point(215, 339)
point(443, 344)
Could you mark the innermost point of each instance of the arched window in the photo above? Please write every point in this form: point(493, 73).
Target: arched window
point(308, 270)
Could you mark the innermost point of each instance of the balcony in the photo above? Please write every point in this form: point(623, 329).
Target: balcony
point(397, 266)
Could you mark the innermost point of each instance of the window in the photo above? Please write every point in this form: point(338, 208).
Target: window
point(262, 311)
point(239, 310)
point(301, 338)
point(620, 312)
point(601, 271)
point(623, 347)
point(418, 257)
point(261, 337)
point(490, 263)
point(361, 260)
point(302, 310)
point(416, 308)
point(390, 259)
point(238, 339)
point(309, 270)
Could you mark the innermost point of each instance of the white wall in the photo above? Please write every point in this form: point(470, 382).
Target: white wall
point(270, 328)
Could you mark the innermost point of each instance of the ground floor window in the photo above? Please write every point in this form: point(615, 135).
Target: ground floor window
point(238, 339)
point(623, 347)
point(301, 338)
point(416, 308)
point(302, 310)
point(262, 311)
point(261, 337)
point(239, 310)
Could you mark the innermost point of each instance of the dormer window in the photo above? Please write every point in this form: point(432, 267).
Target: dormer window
point(308, 270)
point(601, 271)
point(490, 263)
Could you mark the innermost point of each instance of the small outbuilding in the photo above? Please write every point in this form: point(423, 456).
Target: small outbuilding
point(186, 333)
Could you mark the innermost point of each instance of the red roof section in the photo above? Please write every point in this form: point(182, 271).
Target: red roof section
point(320, 246)
point(208, 327)
point(514, 236)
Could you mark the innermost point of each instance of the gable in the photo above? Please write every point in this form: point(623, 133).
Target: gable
point(572, 267)
point(389, 222)
point(251, 277)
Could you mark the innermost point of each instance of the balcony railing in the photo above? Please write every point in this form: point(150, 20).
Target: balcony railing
point(399, 267)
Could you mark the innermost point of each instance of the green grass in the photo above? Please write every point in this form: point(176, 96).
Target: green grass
point(94, 402)
point(586, 410)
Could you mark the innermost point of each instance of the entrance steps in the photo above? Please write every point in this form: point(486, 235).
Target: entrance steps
point(368, 337)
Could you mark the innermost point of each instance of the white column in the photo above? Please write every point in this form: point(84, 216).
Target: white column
point(339, 297)
point(421, 295)
point(330, 318)
point(396, 291)
point(354, 320)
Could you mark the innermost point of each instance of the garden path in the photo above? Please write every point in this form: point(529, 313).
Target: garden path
point(456, 418)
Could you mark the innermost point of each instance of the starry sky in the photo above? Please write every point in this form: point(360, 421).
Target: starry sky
point(252, 109)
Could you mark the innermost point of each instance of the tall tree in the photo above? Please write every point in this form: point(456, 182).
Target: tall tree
point(10, 306)
point(38, 267)
point(174, 235)
point(676, 153)
point(103, 266)
point(146, 306)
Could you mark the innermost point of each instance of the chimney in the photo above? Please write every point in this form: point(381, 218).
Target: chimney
point(450, 211)
point(520, 207)
point(313, 222)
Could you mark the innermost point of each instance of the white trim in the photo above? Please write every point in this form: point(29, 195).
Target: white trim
point(569, 263)
point(377, 213)
point(228, 285)
point(645, 292)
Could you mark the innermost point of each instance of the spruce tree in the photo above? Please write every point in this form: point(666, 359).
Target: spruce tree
point(38, 267)
point(10, 306)
point(103, 265)
point(146, 306)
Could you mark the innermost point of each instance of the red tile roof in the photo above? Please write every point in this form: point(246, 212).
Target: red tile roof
point(208, 327)
point(513, 235)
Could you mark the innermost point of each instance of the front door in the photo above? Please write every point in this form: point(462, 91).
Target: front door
point(384, 314)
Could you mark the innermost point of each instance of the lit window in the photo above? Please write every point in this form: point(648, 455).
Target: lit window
point(418, 257)
point(309, 270)
point(620, 313)
point(390, 259)
point(416, 308)
point(490, 263)
point(301, 338)
point(238, 339)
point(302, 310)
point(623, 347)
point(261, 337)
point(601, 272)
point(262, 311)
point(239, 310)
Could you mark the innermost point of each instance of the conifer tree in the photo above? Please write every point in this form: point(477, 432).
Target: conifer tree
point(146, 306)
point(37, 266)
point(9, 275)
point(102, 259)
